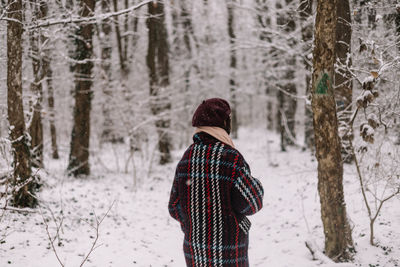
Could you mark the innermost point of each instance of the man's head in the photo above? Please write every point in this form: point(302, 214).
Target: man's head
point(213, 112)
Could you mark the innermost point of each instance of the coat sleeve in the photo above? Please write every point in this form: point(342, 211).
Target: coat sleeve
point(247, 191)
point(174, 205)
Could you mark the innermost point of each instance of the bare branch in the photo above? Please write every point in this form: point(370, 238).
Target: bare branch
point(50, 238)
point(93, 19)
point(98, 223)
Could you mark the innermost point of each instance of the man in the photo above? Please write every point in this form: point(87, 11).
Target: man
point(213, 192)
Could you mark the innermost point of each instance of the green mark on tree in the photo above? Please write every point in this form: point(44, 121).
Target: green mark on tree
point(322, 86)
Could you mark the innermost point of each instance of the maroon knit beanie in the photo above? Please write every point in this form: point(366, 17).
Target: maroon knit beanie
point(213, 112)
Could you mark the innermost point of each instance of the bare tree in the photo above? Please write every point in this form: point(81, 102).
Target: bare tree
point(50, 100)
point(158, 65)
point(264, 22)
point(343, 78)
point(79, 154)
point(36, 38)
point(337, 230)
point(287, 102)
point(23, 181)
point(232, 65)
point(106, 52)
point(305, 10)
point(121, 41)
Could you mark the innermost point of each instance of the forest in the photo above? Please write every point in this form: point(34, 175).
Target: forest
point(96, 106)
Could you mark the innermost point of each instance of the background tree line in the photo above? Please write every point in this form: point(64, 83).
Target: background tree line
point(83, 75)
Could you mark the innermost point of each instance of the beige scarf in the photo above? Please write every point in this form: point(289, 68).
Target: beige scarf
point(216, 132)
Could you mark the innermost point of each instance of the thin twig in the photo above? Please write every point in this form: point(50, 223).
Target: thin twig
point(50, 239)
point(98, 223)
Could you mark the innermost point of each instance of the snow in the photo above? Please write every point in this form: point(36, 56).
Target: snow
point(367, 129)
point(372, 117)
point(364, 96)
point(138, 230)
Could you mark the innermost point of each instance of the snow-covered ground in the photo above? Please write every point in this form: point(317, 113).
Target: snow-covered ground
point(139, 232)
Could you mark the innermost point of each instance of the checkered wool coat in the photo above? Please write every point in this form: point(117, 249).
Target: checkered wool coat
point(212, 193)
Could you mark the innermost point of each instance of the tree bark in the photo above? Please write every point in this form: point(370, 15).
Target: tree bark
point(50, 100)
point(343, 78)
point(287, 102)
point(25, 184)
point(232, 65)
point(305, 10)
point(48, 75)
point(106, 52)
point(37, 38)
point(79, 154)
point(264, 21)
point(337, 231)
point(397, 21)
point(120, 42)
point(158, 65)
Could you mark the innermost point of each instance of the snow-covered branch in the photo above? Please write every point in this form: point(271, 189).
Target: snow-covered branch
point(93, 19)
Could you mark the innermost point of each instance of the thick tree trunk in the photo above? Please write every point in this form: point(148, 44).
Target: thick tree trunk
point(343, 78)
point(232, 65)
point(79, 154)
point(337, 231)
point(305, 9)
point(157, 62)
point(24, 182)
point(37, 38)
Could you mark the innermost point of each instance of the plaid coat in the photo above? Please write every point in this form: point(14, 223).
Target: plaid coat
point(212, 193)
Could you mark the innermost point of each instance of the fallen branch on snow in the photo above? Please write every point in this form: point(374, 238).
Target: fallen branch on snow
point(321, 257)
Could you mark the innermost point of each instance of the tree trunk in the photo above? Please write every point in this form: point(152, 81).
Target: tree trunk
point(287, 101)
point(232, 65)
point(24, 182)
point(126, 35)
point(48, 75)
point(343, 78)
point(337, 231)
point(397, 21)
point(36, 39)
point(106, 52)
point(305, 8)
point(157, 62)
point(50, 99)
point(79, 155)
point(120, 42)
point(264, 21)
point(190, 63)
